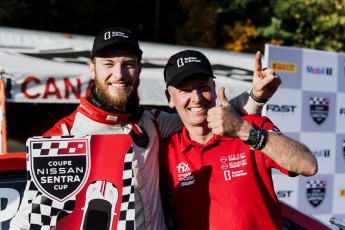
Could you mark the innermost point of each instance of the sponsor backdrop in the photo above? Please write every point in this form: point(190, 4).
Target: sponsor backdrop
point(310, 107)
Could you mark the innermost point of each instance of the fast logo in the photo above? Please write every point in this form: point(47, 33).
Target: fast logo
point(286, 109)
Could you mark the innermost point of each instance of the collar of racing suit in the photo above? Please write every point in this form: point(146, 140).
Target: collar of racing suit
point(91, 106)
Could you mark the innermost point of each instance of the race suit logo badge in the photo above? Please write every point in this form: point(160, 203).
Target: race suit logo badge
point(316, 190)
point(319, 109)
point(59, 167)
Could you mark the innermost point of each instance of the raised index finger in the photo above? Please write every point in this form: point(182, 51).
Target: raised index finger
point(258, 64)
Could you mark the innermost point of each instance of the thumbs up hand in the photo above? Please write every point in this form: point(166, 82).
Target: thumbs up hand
point(224, 120)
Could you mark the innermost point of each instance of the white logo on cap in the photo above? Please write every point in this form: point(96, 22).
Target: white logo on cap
point(182, 61)
point(110, 34)
point(107, 35)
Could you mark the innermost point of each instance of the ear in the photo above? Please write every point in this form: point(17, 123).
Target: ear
point(170, 102)
point(92, 69)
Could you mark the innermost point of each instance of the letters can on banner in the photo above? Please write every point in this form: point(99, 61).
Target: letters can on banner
point(78, 182)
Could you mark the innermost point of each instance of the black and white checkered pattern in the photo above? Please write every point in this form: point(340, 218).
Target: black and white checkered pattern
point(316, 184)
point(53, 148)
point(319, 101)
point(127, 213)
point(43, 211)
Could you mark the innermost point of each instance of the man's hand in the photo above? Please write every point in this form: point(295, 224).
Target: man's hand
point(265, 81)
point(224, 120)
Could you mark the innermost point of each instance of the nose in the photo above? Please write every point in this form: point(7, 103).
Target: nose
point(196, 95)
point(118, 72)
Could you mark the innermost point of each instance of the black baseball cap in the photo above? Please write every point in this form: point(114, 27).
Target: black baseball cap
point(116, 36)
point(184, 64)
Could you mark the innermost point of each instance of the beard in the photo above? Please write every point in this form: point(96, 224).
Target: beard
point(121, 100)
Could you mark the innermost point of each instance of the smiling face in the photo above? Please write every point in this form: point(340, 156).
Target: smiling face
point(116, 75)
point(192, 98)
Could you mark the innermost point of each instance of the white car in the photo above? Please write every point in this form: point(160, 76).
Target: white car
point(100, 202)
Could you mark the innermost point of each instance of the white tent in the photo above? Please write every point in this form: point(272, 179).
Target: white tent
point(49, 67)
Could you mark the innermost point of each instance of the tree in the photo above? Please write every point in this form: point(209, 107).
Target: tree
point(316, 24)
point(246, 25)
point(222, 24)
point(196, 23)
point(237, 25)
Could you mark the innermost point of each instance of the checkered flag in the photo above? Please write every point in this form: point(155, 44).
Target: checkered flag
point(53, 148)
point(316, 184)
point(318, 101)
point(45, 211)
point(127, 213)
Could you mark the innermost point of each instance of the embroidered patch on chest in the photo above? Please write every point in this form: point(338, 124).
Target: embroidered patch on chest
point(232, 165)
point(184, 174)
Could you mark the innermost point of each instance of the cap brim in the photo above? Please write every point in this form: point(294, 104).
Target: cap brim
point(186, 74)
point(119, 44)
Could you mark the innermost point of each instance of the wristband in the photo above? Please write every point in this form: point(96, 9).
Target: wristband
point(258, 100)
point(257, 138)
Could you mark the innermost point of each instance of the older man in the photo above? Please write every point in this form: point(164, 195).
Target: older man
point(218, 168)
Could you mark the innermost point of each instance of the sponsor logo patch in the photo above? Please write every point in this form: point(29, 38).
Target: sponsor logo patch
point(316, 191)
point(284, 66)
point(184, 174)
point(319, 108)
point(59, 168)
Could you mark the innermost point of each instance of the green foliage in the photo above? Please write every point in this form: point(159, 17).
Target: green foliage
point(246, 25)
point(316, 24)
point(239, 25)
point(220, 24)
point(198, 24)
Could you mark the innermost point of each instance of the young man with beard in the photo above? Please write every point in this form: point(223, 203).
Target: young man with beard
point(218, 168)
point(112, 106)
